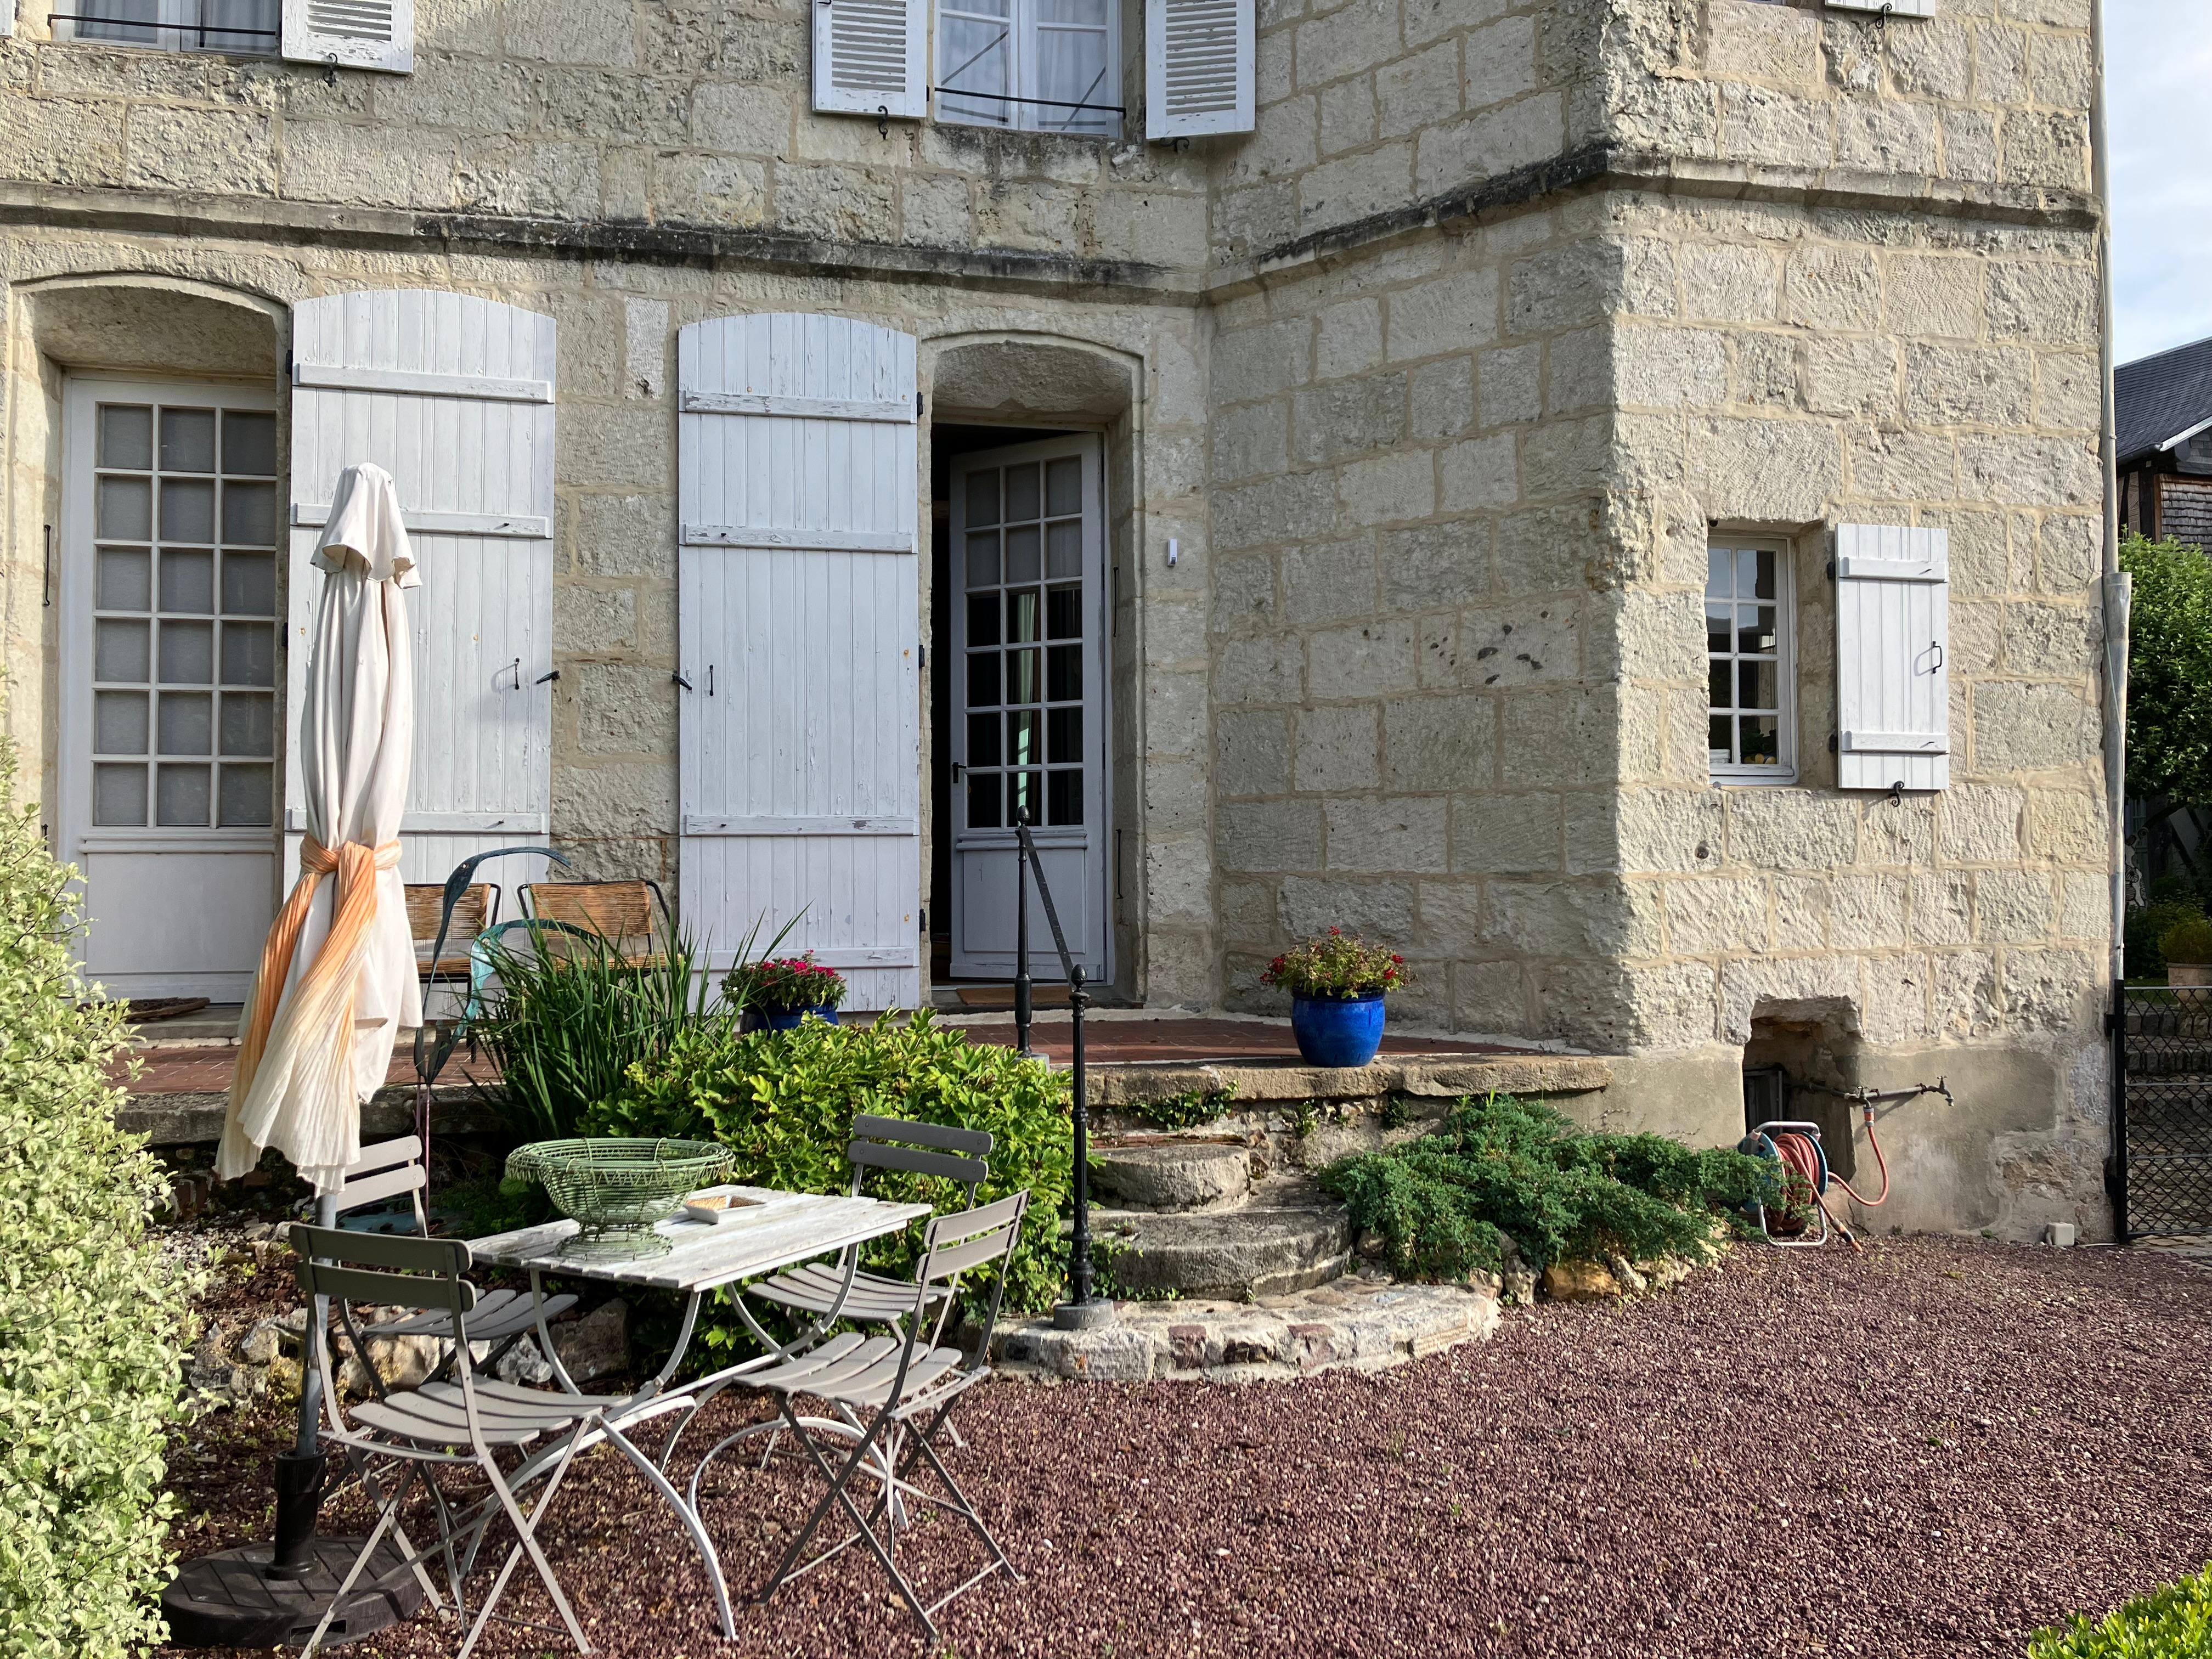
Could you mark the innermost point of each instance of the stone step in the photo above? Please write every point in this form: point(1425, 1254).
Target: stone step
point(1172, 1174)
point(1266, 1248)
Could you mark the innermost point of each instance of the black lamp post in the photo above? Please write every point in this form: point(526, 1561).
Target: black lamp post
point(1085, 1310)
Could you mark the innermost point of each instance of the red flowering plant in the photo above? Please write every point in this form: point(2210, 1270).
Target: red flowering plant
point(784, 983)
point(1337, 964)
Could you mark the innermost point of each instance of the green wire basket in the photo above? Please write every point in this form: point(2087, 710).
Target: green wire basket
point(617, 1185)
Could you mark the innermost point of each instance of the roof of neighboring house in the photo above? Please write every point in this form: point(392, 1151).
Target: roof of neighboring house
point(2155, 399)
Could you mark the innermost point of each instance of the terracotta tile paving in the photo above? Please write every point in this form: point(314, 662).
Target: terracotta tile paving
point(205, 1069)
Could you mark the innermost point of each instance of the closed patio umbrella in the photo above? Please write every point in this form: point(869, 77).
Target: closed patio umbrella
point(336, 980)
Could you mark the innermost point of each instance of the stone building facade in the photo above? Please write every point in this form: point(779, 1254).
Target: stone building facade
point(1418, 411)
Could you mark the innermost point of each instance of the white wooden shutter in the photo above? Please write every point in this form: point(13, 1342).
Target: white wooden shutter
point(871, 57)
point(1199, 58)
point(452, 395)
point(1888, 8)
point(1893, 636)
point(368, 34)
point(798, 631)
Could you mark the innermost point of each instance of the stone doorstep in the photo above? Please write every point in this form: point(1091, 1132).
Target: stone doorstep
point(1445, 1077)
point(196, 1119)
point(1363, 1324)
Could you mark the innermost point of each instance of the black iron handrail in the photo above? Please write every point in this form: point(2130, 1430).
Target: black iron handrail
point(1026, 862)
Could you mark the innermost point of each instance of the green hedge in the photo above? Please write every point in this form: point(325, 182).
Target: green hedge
point(92, 1324)
point(2173, 1623)
point(1505, 1168)
point(783, 1101)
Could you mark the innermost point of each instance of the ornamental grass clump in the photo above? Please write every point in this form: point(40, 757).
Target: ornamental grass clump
point(784, 983)
point(783, 1103)
point(1339, 965)
point(92, 1322)
point(1505, 1170)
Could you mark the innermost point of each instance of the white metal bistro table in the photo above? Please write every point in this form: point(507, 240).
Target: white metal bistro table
point(780, 1229)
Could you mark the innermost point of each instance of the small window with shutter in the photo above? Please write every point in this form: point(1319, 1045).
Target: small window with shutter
point(1893, 644)
point(361, 34)
point(1750, 624)
point(1200, 60)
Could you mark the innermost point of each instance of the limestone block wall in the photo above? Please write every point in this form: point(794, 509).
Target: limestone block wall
point(634, 112)
point(1368, 109)
point(1413, 682)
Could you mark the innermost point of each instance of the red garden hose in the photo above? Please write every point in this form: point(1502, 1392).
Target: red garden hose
point(1801, 1155)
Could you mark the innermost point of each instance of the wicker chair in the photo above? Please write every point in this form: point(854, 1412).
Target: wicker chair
point(477, 909)
point(631, 915)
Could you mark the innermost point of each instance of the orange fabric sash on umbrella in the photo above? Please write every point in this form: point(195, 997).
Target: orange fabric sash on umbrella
point(329, 983)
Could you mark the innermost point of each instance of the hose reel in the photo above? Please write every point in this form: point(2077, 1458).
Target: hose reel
point(1795, 1143)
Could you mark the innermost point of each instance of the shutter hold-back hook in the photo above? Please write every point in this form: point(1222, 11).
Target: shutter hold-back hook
point(883, 120)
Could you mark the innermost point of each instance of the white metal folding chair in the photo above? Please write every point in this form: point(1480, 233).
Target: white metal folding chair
point(393, 1168)
point(893, 1394)
point(929, 1149)
point(452, 1425)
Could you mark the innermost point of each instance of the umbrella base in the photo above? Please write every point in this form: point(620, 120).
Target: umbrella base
point(227, 1600)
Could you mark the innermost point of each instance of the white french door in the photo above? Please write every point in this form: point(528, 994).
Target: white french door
point(169, 668)
point(1028, 737)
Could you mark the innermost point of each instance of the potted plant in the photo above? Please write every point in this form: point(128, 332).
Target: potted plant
point(2187, 949)
point(783, 990)
point(1337, 983)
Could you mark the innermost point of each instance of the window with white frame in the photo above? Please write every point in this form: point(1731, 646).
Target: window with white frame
point(1031, 65)
point(239, 27)
point(1749, 661)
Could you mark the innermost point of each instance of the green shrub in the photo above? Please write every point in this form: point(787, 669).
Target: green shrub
point(568, 1021)
point(783, 1101)
point(92, 1322)
point(2146, 926)
point(2189, 941)
point(2173, 1623)
point(1507, 1168)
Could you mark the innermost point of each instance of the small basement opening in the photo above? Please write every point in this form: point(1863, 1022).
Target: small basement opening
point(1805, 1046)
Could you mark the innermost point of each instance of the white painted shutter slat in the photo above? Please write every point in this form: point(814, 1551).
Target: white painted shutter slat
point(871, 57)
point(1892, 642)
point(799, 625)
point(1200, 67)
point(367, 35)
point(421, 382)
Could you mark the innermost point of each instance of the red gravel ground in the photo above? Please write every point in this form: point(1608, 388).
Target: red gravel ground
point(1930, 1450)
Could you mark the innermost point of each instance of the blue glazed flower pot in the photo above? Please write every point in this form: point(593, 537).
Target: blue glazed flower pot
point(788, 1019)
point(1338, 1030)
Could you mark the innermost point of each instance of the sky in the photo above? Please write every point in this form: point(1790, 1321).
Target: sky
point(2158, 58)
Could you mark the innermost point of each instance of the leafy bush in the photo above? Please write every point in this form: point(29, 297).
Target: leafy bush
point(569, 1017)
point(2146, 926)
point(2173, 1623)
point(92, 1322)
point(1336, 964)
point(2189, 941)
point(785, 983)
point(783, 1101)
point(1507, 1168)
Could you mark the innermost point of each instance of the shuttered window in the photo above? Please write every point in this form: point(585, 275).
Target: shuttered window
point(1200, 59)
point(240, 27)
point(365, 34)
point(1031, 65)
point(1892, 639)
point(1750, 663)
point(870, 56)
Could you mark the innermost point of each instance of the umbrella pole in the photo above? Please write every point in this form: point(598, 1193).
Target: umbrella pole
point(299, 1471)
